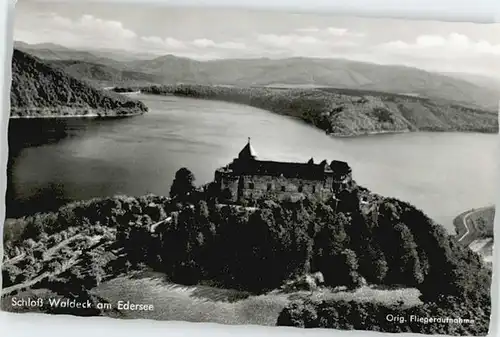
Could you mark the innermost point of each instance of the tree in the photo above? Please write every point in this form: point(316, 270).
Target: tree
point(373, 264)
point(330, 242)
point(349, 269)
point(183, 184)
point(410, 271)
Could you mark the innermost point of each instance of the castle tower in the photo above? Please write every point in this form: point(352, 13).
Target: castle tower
point(248, 152)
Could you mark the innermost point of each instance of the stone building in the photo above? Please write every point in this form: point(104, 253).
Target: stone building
point(248, 178)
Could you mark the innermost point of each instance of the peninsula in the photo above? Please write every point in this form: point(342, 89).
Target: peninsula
point(343, 112)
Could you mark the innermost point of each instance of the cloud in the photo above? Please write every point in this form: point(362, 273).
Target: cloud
point(337, 31)
point(201, 46)
point(329, 31)
point(301, 41)
point(309, 30)
point(157, 43)
point(207, 43)
point(298, 45)
point(274, 40)
point(87, 29)
point(203, 43)
point(92, 26)
point(454, 51)
point(454, 45)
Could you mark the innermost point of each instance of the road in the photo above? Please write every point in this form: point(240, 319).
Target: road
point(470, 228)
point(467, 229)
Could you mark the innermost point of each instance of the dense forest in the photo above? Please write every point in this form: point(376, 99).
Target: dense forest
point(257, 249)
point(123, 89)
point(41, 90)
point(348, 112)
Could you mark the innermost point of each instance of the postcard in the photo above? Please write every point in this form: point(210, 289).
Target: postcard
point(251, 167)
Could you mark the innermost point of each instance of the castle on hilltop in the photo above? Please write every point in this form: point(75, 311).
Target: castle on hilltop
point(249, 179)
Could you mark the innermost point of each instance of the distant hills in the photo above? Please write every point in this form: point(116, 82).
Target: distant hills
point(104, 75)
point(51, 51)
point(41, 90)
point(306, 72)
point(482, 81)
point(114, 68)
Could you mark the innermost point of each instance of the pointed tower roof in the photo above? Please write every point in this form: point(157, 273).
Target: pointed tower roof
point(247, 152)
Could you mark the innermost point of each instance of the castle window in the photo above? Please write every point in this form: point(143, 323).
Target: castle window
point(283, 188)
point(301, 188)
point(269, 187)
point(251, 186)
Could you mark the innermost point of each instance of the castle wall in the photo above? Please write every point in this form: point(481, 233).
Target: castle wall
point(252, 180)
point(256, 187)
point(228, 185)
point(277, 169)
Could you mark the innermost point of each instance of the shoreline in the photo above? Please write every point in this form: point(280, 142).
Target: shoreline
point(86, 116)
point(369, 133)
point(331, 134)
point(361, 133)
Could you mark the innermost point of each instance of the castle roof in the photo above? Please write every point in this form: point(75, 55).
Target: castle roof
point(340, 166)
point(247, 152)
point(287, 169)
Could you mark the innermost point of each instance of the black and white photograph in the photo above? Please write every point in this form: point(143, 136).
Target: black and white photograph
point(243, 166)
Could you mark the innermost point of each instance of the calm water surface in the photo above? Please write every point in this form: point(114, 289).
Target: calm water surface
point(441, 173)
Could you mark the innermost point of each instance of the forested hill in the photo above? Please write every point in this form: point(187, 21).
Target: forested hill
point(349, 112)
point(103, 75)
point(41, 90)
point(274, 245)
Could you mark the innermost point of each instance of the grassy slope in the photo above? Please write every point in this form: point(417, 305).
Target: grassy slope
point(174, 302)
point(38, 89)
point(349, 112)
point(204, 304)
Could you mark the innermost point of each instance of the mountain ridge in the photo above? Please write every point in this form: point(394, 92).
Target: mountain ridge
point(103, 75)
point(294, 71)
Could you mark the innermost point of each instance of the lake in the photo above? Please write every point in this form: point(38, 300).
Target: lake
point(441, 173)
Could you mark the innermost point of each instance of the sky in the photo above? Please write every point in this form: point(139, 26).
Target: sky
point(212, 33)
